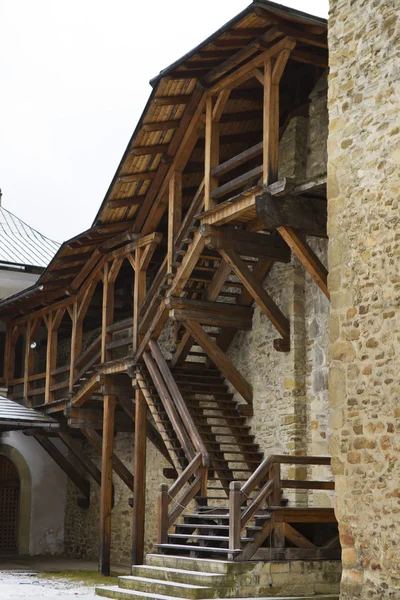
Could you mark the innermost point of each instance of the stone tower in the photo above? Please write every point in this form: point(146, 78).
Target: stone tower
point(364, 264)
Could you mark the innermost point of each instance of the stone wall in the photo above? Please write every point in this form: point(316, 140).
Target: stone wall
point(364, 261)
point(82, 524)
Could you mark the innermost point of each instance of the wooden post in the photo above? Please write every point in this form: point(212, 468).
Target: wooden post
point(139, 491)
point(106, 484)
point(51, 356)
point(76, 344)
point(273, 71)
point(162, 535)
point(139, 294)
point(235, 497)
point(107, 313)
point(275, 476)
point(28, 362)
point(211, 158)
point(174, 215)
point(12, 337)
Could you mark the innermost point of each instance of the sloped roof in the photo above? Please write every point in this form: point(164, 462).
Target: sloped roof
point(21, 244)
point(15, 416)
point(134, 201)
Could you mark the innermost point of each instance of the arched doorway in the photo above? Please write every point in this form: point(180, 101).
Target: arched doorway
point(9, 506)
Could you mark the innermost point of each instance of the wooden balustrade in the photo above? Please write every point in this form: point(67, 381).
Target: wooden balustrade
point(268, 478)
point(195, 476)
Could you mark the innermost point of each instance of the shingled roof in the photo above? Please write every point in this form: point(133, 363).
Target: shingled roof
point(15, 416)
point(20, 244)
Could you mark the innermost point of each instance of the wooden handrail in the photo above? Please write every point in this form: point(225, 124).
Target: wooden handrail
point(185, 476)
point(167, 496)
point(268, 474)
point(179, 402)
point(238, 160)
point(88, 351)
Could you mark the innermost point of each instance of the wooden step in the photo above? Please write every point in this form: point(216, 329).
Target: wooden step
point(215, 538)
point(201, 549)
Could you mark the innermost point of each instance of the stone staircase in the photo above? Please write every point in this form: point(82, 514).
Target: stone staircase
point(171, 577)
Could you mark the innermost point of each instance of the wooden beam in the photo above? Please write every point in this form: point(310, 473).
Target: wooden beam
point(139, 294)
point(236, 183)
point(139, 492)
point(107, 313)
point(106, 485)
point(149, 150)
point(244, 72)
point(160, 126)
point(174, 215)
point(129, 202)
point(307, 214)
point(210, 313)
point(220, 359)
point(180, 148)
point(307, 257)
point(134, 177)
point(211, 157)
point(81, 483)
point(255, 288)
point(246, 243)
point(171, 100)
point(51, 357)
point(238, 160)
point(169, 406)
point(243, 54)
point(189, 262)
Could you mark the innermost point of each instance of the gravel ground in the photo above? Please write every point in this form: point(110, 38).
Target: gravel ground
point(29, 585)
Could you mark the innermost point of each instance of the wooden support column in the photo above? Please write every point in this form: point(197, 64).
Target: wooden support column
point(211, 158)
point(106, 484)
point(107, 312)
point(28, 362)
point(53, 322)
point(51, 357)
point(174, 215)
point(76, 344)
point(273, 71)
point(139, 491)
point(12, 337)
point(139, 293)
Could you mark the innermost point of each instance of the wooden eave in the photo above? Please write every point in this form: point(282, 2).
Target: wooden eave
point(167, 115)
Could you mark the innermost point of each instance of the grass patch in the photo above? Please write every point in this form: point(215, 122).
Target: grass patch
point(82, 577)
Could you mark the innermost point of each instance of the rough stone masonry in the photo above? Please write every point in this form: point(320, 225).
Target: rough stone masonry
point(364, 261)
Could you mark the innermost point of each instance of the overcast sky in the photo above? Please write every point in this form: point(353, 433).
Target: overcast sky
point(74, 81)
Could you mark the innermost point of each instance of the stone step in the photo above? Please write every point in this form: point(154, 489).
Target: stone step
point(182, 575)
point(193, 548)
point(164, 587)
point(203, 565)
point(121, 594)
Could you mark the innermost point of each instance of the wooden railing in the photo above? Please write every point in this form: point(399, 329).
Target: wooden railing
point(196, 476)
point(268, 477)
point(179, 403)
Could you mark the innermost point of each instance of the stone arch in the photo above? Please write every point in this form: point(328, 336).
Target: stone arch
point(25, 498)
